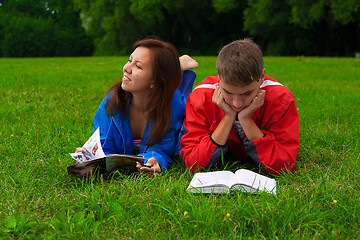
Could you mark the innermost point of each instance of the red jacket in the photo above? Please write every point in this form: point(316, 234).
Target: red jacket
point(277, 118)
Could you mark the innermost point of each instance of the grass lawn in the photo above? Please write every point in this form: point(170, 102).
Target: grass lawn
point(47, 107)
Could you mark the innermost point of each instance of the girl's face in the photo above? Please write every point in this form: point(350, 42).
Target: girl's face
point(138, 72)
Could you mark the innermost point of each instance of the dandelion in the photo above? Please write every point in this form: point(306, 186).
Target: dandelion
point(186, 213)
point(228, 215)
point(334, 201)
point(11, 135)
point(177, 210)
point(195, 226)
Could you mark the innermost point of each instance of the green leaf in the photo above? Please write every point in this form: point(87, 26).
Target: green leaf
point(10, 222)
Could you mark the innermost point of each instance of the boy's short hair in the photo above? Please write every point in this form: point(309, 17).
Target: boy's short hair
point(240, 62)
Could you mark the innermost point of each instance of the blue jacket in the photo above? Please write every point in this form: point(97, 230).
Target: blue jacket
point(116, 136)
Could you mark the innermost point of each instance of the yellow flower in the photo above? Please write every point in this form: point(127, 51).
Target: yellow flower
point(11, 135)
point(177, 210)
point(195, 226)
point(186, 213)
point(334, 201)
point(228, 214)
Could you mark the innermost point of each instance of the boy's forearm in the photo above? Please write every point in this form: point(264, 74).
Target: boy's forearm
point(196, 155)
point(221, 133)
point(252, 131)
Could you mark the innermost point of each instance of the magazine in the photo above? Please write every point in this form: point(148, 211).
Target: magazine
point(94, 159)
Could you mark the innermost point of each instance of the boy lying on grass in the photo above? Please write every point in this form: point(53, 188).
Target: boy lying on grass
point(242, 114)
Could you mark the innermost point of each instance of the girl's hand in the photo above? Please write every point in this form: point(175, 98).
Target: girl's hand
point(79, 149)
point(152, 166)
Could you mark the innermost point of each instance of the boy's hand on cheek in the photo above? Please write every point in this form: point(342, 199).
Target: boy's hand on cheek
point(255, 104)
point(218, 99)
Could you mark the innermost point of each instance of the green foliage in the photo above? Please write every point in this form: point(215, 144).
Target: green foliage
point(345, 11)
point(25, 7)
point(110, 24)
point(287, 27)
point(195, 26)
point(46, 109)
point(34, 29)
point(224, 5)
point(307, 27)
point(306, 13)
point(148, 11)
point(25, 36)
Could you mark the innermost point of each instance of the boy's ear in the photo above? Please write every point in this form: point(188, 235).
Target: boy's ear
point(219, 78)
point(262, 76)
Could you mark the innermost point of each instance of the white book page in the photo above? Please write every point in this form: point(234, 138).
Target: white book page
point(255, 180)
point(92, 147)
point(212, 181)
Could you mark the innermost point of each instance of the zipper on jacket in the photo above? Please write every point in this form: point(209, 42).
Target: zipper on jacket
point(122, 136)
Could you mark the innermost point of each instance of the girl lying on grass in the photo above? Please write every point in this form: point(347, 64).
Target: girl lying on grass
point(143, 114)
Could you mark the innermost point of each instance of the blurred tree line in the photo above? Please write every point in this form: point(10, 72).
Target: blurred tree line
point(38, 28)
point(197, 27)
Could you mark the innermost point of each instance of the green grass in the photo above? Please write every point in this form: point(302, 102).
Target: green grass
point(47, 107)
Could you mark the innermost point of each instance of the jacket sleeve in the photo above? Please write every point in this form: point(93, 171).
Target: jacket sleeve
point(104, 121)
point(169, 144)
point(164, 150)
point(198, 150)
point(276, 151)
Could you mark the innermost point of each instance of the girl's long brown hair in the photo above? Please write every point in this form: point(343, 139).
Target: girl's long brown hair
point(166, 77)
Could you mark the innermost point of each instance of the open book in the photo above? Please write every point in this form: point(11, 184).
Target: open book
point(225, 181)
point(94, 159)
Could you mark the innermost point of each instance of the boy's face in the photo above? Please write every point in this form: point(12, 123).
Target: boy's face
point(239, 97)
